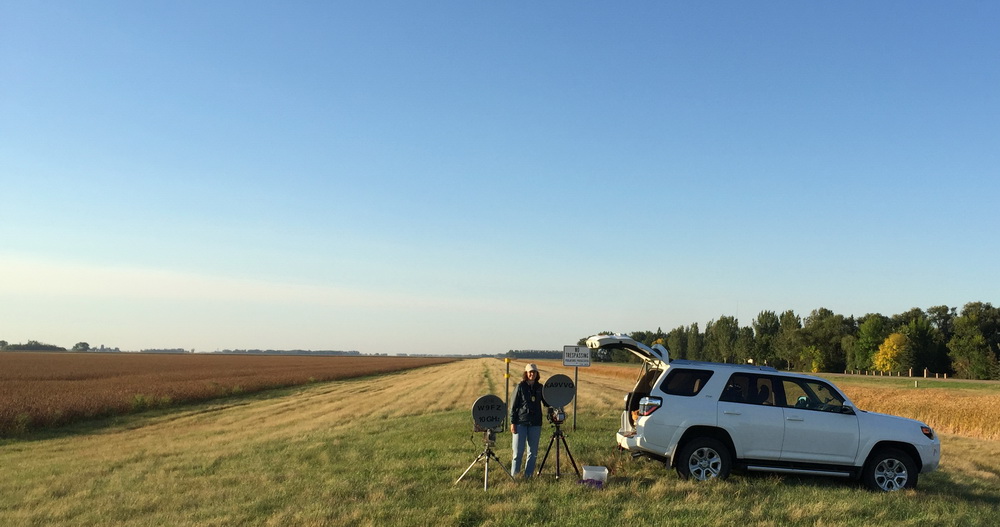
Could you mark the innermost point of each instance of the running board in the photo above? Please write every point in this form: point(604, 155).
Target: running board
point(761, 468)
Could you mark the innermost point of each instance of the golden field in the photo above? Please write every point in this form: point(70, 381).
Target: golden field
point(50, 389)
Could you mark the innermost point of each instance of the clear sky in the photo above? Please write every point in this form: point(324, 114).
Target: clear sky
point(475, 177)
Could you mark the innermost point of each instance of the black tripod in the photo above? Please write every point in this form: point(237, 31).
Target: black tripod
point(558, 437)
point(489, 438)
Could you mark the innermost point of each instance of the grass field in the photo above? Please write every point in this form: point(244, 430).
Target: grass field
point(387, 450)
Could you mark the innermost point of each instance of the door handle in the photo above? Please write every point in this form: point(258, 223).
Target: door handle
point(732, 412)
point(794, 419)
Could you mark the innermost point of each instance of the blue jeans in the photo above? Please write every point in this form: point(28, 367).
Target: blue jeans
point(526, 436)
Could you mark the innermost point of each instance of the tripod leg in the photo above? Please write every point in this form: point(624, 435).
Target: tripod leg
point(495, 458)
point(486, 472)
point(556, 437)
point(540, 467)
point(571, 460)
point(470, 466)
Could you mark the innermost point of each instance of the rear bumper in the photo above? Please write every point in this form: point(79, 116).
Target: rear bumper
point(628, 442)
point(635, 444)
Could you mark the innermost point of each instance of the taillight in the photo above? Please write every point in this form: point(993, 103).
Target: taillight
point(927, 432)
point(648, 405)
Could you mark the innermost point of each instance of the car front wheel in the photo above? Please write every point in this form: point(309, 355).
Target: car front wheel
point(889, 470)
point(704, 458)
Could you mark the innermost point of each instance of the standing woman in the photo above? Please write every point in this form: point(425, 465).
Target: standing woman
point(526, 421)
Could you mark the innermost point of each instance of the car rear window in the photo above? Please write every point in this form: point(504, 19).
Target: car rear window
point(685, 382)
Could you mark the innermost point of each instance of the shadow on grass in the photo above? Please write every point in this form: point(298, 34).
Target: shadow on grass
point(946, 486)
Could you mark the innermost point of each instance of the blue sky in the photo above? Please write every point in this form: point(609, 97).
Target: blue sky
point(474, 177)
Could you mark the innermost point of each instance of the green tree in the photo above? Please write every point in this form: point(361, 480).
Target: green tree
point(902, 320)
point(872, 332)
point(943, 318)
point(849, 343)
point(677, 342)
point(813, 357)
point(973, 347)
point(788, 344)
point(766, 327)
point(825, 330)
point(720, 339)
point(695, 343)
point(81, 346)
point(745, 347)
point(928, 348)
point(894, 354)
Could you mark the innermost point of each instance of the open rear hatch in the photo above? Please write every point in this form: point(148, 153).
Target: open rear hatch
point(657, 355)
point(654, 359)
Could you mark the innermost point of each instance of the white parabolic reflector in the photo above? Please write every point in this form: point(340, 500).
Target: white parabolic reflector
point(489, 411)
point(559, 390)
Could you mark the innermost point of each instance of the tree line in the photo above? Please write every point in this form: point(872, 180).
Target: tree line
point(939, 339)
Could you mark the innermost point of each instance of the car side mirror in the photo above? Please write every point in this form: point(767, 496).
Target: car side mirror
point(847, 410)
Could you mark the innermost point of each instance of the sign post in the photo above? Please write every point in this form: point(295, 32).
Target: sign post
point(576, 356)
point(506, 390)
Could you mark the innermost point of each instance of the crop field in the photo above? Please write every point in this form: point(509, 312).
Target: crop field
point(46, 389)
point(388, 450)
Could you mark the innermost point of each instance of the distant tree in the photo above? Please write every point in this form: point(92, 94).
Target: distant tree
point(894, 354)
point(745, 347)
point(942, 318)
point(812, 356)
point(3, 345)
point(766, 327)
point(677, 342)
point(81, 346)
point(903, 319)
point(695, 343)
point(789, 343)
point(872, 333)
point(34, 345)
point(928, 348)
point(975, 343)
point(849, 343)
point(720, 339)
point(825, 330)
point(622, 355)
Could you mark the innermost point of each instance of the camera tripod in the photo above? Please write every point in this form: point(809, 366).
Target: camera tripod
point(489, 438)
point(558, 437)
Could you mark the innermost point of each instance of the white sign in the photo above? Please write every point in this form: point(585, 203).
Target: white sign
point(576, 356)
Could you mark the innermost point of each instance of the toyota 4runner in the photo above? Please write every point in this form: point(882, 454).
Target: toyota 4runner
point(704, 419)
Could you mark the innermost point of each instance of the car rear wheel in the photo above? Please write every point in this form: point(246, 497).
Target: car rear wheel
point(704, 458)
point(888, 470)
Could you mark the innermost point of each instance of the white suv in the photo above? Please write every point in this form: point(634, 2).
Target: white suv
point(705, 418)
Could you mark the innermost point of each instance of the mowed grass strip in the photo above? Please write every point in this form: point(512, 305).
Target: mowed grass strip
point(50, 389)
point(388, 450)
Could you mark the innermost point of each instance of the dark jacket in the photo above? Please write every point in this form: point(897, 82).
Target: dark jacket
point(527, 406)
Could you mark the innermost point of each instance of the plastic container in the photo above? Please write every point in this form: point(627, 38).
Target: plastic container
point(595, 473)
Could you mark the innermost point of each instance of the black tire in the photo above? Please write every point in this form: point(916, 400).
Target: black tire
point(888, 470)
point(704, 458)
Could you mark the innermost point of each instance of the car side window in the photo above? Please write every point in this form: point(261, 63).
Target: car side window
point(811, 395)
point(750, 389)
point(685, 382)
point(737, 389)
point(764, 393)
